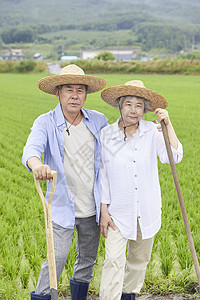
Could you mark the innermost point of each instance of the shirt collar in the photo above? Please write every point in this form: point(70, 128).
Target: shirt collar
point(118, 134)
point(59, 117)
point(144, 126)
point(85, 113)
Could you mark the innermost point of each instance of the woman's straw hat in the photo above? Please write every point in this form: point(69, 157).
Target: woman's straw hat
point(133, 88)
point(71, 74)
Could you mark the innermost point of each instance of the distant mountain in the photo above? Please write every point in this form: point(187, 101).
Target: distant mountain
point(54, 26)
point(29, 12)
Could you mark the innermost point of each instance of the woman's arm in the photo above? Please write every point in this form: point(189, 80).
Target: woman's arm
point(105, 220)
point(162, 114)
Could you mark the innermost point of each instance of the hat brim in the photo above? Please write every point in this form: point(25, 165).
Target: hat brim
point(48, 84)
point(110, 96)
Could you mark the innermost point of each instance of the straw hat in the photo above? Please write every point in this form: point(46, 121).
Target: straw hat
point(71, 74)
point(133, 88)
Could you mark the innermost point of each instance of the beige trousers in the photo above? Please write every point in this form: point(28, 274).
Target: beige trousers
point(121, 274)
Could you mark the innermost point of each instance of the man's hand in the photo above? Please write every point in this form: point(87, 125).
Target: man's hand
point(105, 220)
point(41, 171)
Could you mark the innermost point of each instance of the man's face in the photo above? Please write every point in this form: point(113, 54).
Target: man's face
point(72, 98)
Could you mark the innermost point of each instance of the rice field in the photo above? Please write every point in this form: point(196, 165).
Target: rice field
point(22, 234)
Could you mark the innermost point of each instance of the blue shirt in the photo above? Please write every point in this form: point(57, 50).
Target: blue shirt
point(47, 138)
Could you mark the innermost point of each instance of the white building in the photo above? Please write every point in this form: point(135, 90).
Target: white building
point(68, 57)
point(122, 55)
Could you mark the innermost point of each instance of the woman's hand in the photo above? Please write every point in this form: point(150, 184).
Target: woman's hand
point(162, 114)
point(105, 220)
point(159, 126)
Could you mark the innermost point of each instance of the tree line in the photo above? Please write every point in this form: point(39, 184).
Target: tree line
point(149, 33)
point(181, 65)
point(169, 37)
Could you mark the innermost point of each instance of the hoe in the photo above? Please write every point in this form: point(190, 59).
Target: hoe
point(180, 198)
point(49, 235)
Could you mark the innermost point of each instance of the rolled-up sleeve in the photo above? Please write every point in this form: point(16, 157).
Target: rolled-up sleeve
point(162, 150)
point(36, 142)
point(177, 153)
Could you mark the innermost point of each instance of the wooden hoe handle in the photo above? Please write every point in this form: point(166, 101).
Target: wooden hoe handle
point(49, 235)
point(181, 202)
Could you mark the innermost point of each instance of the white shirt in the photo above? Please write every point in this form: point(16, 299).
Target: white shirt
point(79, 168)
point(129, 177)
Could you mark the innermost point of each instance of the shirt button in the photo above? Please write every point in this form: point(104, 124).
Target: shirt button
point(135, 149)
point(134, 161)
point(135, 175)
point(136, 189)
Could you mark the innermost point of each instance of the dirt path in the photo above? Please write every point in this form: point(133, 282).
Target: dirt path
point(174, 296)
point(54, 68)
point(167, 297)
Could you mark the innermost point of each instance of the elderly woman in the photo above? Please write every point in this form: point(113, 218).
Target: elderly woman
point(131, 196)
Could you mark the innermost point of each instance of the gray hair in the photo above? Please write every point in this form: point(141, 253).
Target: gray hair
point(59, 87)
point(120, 101)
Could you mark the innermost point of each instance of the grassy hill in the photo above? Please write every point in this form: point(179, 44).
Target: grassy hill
point(53, 27)
point(23, 12)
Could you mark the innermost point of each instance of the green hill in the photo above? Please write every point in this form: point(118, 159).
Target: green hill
point(51, 26)
point(23, 12)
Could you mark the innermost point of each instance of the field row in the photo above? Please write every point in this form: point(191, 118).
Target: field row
point(22, 235)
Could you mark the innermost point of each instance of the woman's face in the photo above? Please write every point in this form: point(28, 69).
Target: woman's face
point(132, 110)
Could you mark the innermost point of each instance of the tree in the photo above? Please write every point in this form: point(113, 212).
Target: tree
point(105, 55)
point(161, 36)
point(17, 35)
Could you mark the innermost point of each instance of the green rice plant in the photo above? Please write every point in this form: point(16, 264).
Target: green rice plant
point(183, 252)
point(166, 252)
point(11, 261)
point(25, 274)
point(186, 280)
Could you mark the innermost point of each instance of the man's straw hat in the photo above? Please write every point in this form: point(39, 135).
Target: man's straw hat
point(133, 88)
point(71, 74)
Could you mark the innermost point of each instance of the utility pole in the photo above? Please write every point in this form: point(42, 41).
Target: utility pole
point(193, 42)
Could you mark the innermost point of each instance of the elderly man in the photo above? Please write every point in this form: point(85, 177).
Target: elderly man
point(68, 138)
